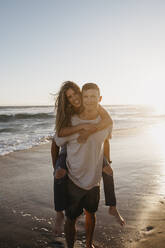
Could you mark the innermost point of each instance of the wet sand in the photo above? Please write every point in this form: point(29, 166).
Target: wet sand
point(26, 196)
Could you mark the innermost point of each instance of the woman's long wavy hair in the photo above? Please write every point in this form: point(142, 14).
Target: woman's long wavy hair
point(64, 109)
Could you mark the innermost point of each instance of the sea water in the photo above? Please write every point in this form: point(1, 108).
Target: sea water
point(24, 127)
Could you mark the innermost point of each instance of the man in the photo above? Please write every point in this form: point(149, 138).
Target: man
point(84, 162)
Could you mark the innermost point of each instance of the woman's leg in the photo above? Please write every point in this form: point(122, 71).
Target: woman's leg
point(60, 203)
point(60, 192)
point(110, 197)
point(109, 190)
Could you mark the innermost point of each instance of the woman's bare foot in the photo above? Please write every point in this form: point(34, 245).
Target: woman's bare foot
point(113, 211)
point(59, 223)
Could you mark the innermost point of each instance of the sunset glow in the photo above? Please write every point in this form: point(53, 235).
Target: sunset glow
point(117, 44)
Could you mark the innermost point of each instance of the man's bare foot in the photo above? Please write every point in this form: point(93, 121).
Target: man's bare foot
point(59, 223)
point(113, 211)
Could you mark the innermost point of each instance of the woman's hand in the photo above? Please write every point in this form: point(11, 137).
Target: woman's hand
point(87, 127)
point(87, 130)
point(84, 134)
point(67, 131)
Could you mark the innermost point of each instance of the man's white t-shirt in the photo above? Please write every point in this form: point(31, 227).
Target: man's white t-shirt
point(85, 161)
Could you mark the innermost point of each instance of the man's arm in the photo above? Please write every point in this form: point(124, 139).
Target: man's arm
point(107, 150)
point(54, 153)
point(107, 166)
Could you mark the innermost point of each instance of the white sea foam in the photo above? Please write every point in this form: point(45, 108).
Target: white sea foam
point(24, 127)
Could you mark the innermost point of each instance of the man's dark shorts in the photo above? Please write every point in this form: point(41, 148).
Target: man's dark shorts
point(79, 199)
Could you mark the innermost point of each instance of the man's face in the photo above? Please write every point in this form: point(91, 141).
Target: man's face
point(91, 99)
point(73, 98)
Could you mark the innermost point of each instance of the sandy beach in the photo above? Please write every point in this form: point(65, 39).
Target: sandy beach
point(26, 196)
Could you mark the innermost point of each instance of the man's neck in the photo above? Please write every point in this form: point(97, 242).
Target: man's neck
point(79, 110)
point(88, 115)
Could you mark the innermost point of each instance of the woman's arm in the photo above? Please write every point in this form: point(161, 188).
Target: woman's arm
point(87, 129)
point(66, 131)
point(106, 121)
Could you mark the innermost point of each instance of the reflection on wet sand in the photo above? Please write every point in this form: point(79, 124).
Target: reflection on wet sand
point(139, 172)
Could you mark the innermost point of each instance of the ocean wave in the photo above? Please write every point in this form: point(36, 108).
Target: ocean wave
point(18, 145)
point(21, 116)
point(8, 130)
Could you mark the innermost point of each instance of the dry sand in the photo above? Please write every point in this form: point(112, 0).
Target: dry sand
point(26, 199)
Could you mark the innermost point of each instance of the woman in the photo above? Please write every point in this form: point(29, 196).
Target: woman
point(67, 104)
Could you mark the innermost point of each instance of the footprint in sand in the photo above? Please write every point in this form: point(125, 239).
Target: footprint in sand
point(56, 244)
point(149, 228)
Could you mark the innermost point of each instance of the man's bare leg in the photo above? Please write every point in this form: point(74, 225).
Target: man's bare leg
point(90, 226)
point(59, 222)
point(113, 211)
point(70, 232)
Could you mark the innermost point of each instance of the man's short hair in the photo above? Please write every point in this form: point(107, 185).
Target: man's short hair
point(89, 86)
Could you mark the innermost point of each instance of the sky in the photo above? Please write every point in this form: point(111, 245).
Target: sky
point(118, 44)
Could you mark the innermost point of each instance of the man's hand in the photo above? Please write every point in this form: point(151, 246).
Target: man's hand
point(60, 173)
point(108, 170)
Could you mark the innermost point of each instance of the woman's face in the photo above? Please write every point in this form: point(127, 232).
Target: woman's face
point(74, 98)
